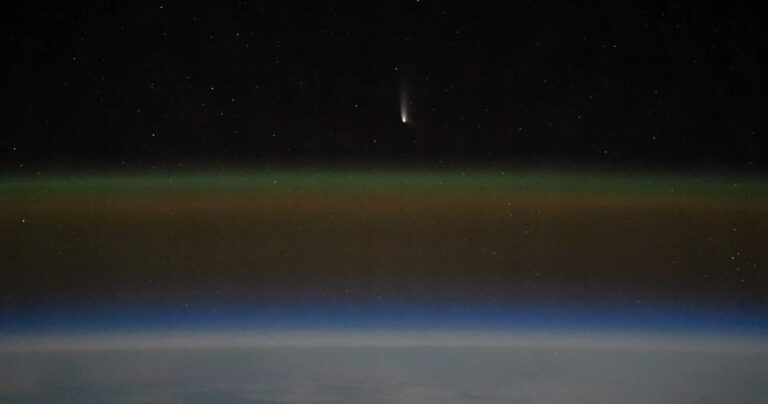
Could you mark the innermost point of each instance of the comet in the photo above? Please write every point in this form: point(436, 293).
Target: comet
point(403, 104)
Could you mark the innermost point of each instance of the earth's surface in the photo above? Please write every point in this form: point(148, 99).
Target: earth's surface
point(375, 367)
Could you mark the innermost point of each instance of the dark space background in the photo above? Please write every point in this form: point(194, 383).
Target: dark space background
point(129, 83)
point(126, 87)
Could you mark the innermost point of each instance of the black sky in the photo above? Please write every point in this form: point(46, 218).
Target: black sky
point(669, 83)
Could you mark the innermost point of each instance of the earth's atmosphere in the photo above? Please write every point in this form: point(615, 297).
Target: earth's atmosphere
point(383, 286)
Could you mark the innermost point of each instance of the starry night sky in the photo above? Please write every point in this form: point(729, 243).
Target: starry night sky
point(667, 83)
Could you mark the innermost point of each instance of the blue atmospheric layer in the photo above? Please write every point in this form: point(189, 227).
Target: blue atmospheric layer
point(620, 317)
